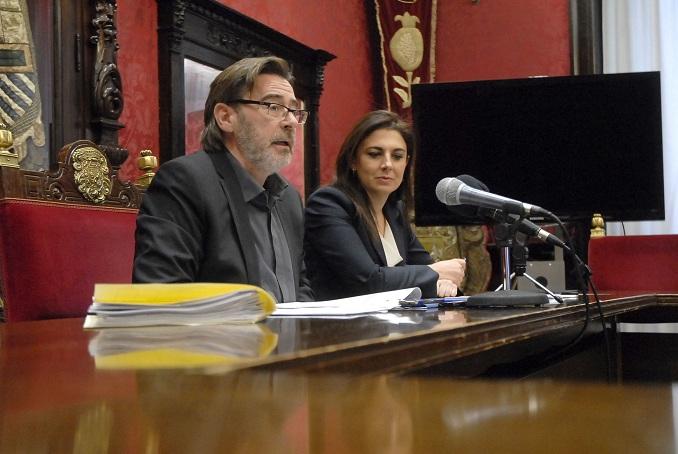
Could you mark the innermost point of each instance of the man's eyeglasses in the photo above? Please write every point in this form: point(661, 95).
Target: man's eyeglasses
point(275, 110)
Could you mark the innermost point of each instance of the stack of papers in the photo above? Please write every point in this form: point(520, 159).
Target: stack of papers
point(355, 305)
point(124, 305)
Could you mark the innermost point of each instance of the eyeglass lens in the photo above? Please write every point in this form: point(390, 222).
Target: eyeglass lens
point(280, 111)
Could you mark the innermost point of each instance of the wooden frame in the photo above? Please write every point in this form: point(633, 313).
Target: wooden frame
point(215, 35)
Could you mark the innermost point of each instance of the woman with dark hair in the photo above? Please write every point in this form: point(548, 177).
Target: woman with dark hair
point(358, 239)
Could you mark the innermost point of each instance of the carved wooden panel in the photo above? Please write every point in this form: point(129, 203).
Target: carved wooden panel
point(84, 176)
point(107, 94)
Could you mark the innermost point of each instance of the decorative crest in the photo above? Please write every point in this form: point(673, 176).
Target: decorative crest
point(91, 174)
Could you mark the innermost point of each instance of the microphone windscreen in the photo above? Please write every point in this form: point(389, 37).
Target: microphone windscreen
point(441, 189)
point(468, 212)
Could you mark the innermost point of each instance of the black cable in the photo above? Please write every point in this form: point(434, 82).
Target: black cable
point(583, 274)
point(602, 319)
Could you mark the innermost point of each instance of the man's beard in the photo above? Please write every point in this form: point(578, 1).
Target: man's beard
point(254, 148)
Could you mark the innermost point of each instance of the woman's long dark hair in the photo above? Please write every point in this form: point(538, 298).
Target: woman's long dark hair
point(348, 181)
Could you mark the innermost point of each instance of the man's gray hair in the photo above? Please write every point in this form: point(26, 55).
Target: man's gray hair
point(233, 83)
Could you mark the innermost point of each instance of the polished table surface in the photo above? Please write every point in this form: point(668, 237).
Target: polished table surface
point(392, 342)
point(405, 342)
point(63, 389)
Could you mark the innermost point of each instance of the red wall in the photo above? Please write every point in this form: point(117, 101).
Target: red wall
point(490, 39)
point(138, 61)
point(501, 39)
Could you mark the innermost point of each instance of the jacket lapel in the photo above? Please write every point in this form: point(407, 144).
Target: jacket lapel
point(238, 207)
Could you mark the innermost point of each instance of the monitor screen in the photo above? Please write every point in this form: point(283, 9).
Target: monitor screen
point(574, 145)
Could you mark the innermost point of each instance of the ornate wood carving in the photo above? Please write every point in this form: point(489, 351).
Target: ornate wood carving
point(108, 94)
point(84, 176)
point(177, 30)
point(232, 41)
point(215, 35)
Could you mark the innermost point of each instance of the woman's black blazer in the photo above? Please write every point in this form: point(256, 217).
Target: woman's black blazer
point(343, 260)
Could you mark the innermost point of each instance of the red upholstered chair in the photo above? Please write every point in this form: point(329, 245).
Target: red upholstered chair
point(63, 232)
point(643, 262)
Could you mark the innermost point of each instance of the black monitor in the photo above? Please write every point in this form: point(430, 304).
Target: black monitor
point(574, 145)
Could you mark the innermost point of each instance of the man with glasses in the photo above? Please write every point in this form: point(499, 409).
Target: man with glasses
point(224, 214)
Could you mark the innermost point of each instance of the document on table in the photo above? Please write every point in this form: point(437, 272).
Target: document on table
point(195, 303)
point(355, 305)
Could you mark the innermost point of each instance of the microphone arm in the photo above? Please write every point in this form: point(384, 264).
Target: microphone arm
point(525, 226)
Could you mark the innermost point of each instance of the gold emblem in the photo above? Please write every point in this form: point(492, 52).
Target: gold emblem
point(407, 49)
point(91, 174)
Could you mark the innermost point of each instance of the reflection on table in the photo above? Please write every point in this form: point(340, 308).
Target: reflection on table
point(167, 347)
point(244, 411)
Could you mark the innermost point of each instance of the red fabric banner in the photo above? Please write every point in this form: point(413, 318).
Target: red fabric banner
point(406, 30)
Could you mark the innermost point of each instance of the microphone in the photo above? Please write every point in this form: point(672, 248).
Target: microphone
point(525, 226)
point(452, 191)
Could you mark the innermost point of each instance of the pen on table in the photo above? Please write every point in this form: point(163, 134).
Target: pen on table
point(444, 300)
point(432, 303)
point(418, 304)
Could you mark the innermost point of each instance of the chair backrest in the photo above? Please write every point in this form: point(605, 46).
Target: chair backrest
point(63, 232)
point(643, 262)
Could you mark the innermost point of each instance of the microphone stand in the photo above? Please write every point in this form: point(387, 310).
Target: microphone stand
point(519, 254)
point(504, 235)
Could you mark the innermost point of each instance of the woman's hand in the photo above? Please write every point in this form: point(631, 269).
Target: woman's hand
point(451, 270)
point(446, 288)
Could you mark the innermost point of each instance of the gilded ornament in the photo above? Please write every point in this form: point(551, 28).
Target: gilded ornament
point(146, 162)
point(407, 49)
point(7, 156)
point(91, 174)
point(597, 226)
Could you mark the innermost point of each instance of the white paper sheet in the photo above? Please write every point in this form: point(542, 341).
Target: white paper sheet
point(361, 304)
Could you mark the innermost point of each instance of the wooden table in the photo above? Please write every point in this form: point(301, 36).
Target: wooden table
point(56, 397)
point(408, 342)
point(391, 343)
point(178, 411)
